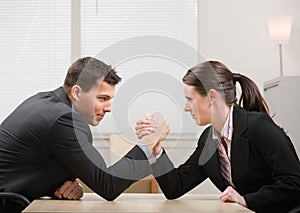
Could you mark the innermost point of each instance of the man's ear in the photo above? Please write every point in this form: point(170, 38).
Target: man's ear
point(212, 95)
point(76, 92)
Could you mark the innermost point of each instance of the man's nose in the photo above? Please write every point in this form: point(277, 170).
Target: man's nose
point(107, 107)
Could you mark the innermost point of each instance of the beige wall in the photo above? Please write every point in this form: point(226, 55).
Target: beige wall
point(236, 33)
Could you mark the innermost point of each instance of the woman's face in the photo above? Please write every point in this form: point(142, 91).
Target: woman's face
point(198, 106)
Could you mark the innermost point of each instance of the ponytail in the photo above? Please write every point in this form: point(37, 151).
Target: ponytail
point(250, 99)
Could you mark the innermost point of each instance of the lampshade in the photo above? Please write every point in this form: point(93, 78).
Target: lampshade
point(280, 29)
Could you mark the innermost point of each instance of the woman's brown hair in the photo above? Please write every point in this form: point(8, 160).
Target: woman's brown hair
point(215, 75)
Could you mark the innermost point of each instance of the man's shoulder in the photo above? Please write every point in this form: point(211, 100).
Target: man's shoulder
point(43, 107)
point(50, 100)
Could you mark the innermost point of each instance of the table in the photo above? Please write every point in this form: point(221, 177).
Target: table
point(129, 202)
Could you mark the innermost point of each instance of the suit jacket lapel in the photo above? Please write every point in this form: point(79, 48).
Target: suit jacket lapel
point(239, 150)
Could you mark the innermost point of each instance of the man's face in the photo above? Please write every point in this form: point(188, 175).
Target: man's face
point(93, 105)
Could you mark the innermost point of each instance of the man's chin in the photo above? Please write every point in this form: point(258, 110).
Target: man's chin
point(94, 123)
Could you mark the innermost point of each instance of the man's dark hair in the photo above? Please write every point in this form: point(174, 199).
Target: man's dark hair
point(86, 71)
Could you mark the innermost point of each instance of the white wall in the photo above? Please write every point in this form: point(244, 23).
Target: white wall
point(232, 31)
point(235, 32)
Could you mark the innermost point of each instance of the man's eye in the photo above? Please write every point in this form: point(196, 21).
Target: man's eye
point(102, 99)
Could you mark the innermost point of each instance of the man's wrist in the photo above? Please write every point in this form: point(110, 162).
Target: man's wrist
point(78, 184)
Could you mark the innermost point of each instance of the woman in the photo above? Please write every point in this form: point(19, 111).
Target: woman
point(243, 152)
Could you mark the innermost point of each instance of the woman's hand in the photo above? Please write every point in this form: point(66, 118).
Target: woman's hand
point(231, 195)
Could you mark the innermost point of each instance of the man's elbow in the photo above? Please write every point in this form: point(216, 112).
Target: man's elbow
point(171, 196)
point(110, 197)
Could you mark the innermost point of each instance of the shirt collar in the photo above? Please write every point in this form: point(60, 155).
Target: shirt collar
point(227, 129)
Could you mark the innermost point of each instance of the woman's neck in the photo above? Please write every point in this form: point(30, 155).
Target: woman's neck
point(220, 115)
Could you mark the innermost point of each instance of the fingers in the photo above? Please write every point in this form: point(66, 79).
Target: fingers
point(161, 128)
point(57, 194)
point(69, 190)
point(141, 124)
point(152, 130)
point(144, 131)
point(225, 196)
point(147, 127)
point(141, 133)
point(144, 127)
point(76, 195)
point(231, 195)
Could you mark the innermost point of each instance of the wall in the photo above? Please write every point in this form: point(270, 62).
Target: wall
point(236, 33)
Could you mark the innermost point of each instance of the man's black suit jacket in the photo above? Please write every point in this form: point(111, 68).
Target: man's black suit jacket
point(265, 167)
point(45, 142)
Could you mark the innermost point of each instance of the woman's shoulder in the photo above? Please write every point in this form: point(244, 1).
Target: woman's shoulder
point(252, 117)
point(261, 125)
point(258, 120)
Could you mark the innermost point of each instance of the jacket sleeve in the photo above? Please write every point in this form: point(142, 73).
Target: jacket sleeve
point(70, 141)
point(175, 182)
point(280, 156)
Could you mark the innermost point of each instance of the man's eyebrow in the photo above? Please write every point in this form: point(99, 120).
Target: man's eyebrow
point(103, 96)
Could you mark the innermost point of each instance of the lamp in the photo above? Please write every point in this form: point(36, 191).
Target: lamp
point(280, 31)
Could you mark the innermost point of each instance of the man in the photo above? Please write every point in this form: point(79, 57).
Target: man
point(46, 143)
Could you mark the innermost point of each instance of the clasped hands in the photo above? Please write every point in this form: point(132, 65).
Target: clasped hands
point(152, 130)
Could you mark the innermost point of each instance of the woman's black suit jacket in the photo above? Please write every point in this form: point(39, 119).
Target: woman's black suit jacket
point(45, 142)
point(265, 167)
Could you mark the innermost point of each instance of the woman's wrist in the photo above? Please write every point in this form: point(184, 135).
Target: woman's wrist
point(157, 151)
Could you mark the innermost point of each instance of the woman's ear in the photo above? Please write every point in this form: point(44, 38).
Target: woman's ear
point(212, 95)
point(75, 92)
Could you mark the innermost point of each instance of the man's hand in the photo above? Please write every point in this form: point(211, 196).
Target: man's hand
point(69, 190)
point(230, 195)
point(152, 130)
point(145, 126)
